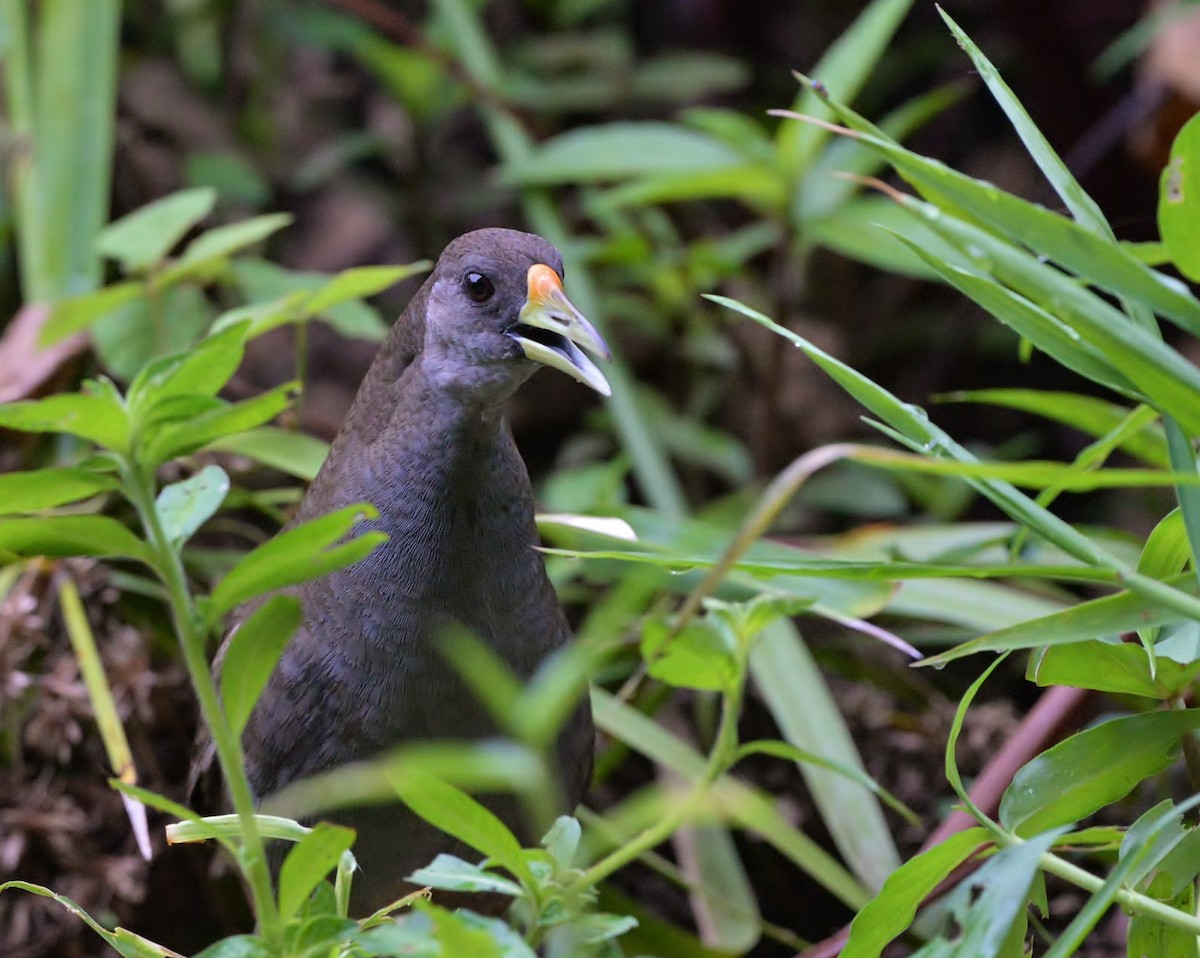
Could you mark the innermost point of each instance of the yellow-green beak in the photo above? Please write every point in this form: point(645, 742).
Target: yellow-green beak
point(551, 331)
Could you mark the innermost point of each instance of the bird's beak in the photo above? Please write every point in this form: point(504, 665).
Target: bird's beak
point(551, 330)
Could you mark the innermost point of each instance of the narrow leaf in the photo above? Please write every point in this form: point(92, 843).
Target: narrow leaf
point(59, 536)
point(47, 488)
point(890, 913)
point(309, 861)
point(296, 555)
point(458, 814)
point(252, 653)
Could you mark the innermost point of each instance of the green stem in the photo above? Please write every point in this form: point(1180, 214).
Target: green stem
point(1131, 900)
point(720, 758)
point(139, 486)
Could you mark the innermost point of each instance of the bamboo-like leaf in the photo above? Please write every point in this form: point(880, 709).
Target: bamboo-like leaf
point(744, 805)
point(1111, 615)
point(891, 912)
point(1089, 414)
point(842, 70)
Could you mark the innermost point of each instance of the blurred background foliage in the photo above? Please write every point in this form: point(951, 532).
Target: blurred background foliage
point(634, 134)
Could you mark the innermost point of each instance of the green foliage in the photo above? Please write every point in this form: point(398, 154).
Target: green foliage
point(1065, 286)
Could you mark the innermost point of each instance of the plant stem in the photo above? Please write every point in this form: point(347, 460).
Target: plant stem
point(1132, 900)
point(719, 759)
point(139, 487)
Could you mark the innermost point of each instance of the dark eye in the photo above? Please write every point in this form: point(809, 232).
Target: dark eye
point(478, 287)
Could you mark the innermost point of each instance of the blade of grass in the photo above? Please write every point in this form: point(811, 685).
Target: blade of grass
point(914, 424)
point(112, 732)
point(807, 715)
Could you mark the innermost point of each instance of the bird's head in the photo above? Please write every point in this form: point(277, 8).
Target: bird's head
point(496, 309)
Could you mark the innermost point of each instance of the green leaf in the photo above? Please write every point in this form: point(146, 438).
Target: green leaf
point(309, 861)
point(808, 717)
point(722, 892)
point(699, 657)
point(59, 536)
point(238, 946)
point(177, 439)
point(201, 370)
point(60, 88)
point(76, 313)
point(742, 804)
point(123, 941)
point(100, 418)
point(252, 652)
point(1089, 414)
point(562, 841)
point(842, 70)
point(454, 874)
point(129, 337)
point(1092, 768)
point(863, 230)
point(1029, 321)
point(296, 555)
point(1149, 937)
point(1082, 206)
point(143, 238)
point(1110, 615)
point(47, 488)
point(458, 814)
point(360, 282)
point(890, 913)
point(288, 296)
point(755, 184)
point(615, 151)
point(1164, 845)
point(1166, 551)
point(211, 248)
point(1122, 668)
point(184, 506)
point(988, 904)
point(294, 453)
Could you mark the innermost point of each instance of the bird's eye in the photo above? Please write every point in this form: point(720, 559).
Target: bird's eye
point(478, 287)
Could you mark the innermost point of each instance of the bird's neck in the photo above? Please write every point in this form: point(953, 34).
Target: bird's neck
point(442, 471)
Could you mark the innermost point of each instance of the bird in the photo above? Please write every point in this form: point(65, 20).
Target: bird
point(427, 443)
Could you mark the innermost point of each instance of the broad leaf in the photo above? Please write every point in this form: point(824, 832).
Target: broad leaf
point(100, 418)
point(143, 238)
point(1092, 769)
point(1179, 200)
point(183, 507)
